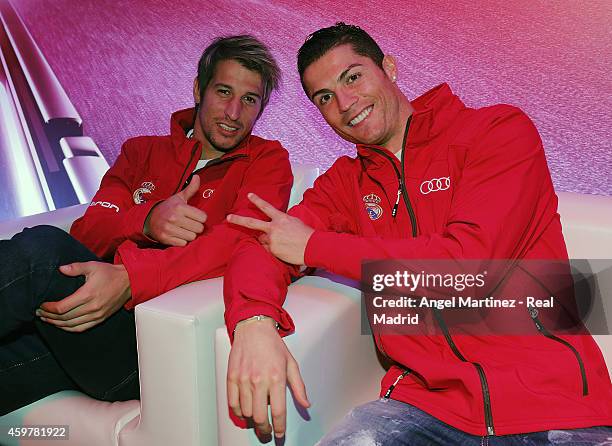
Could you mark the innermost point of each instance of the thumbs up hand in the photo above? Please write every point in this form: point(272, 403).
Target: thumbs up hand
point(173, 222)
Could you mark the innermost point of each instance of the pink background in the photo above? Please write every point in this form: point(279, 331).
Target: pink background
point(127, 64)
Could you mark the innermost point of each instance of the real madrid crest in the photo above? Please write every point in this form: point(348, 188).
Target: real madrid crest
point(146, 188)
point(372, 207)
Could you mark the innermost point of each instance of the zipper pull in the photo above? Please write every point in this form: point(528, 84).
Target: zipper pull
point(399, 378)
point(399, 194)
point(533, 312)
point(187, 181)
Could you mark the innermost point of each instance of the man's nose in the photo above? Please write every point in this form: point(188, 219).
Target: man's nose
point(233, 109)
point(345, 99)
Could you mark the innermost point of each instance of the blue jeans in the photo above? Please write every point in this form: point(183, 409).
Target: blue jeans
point(38, 359)
point(389, 423)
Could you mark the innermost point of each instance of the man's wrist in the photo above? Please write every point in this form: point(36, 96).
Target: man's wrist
point(125, 279)
point(146, 227)
point(255, 319)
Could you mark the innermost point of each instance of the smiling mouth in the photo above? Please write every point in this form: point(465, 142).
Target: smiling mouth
point(227, 128)
point(361, 116)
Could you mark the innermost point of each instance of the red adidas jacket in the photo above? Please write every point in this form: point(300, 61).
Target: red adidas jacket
point(151, 169)
point(497, 202)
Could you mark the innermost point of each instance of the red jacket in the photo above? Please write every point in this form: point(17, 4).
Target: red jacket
point(151, 169)
point(498, 203)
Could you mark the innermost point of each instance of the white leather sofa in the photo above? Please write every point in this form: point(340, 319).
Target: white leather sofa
point(175, 355)
point(183, 349)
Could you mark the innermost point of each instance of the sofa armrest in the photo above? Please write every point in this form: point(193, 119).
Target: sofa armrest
point(334, 359)
point(61, 218)
point(175, 334)
point(586, 225)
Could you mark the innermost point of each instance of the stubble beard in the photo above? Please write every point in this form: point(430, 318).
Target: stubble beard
point(219, 148)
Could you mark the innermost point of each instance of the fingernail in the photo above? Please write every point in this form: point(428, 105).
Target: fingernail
point(38, 312)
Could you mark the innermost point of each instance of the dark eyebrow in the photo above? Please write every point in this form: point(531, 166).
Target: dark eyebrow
point(340, 79)
point(318, 92)
point(248, 93)
point(252, 93)
point(345, 72)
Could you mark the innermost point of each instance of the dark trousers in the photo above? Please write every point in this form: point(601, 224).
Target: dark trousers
point(37, 358)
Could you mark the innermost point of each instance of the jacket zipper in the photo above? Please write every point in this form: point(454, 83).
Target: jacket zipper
point(401, 192)
point(481, 374)
point(401, 189)
point(399, 378)
point(181, 182)
point(533, 312)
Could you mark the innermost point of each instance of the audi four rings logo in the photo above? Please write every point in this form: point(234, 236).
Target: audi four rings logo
point(435, 185)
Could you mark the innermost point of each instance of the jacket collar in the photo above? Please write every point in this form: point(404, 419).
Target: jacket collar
point(433, 112)
point(182, 121)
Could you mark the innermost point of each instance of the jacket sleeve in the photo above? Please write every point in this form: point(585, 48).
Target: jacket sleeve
point(252, 291)
point(496, 202)
point(154, 271)
point(498, 206)
point(112, 217)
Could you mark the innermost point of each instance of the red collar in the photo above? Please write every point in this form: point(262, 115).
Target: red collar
point(433, 112)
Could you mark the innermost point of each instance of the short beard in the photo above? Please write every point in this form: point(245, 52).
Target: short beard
point(218, 148)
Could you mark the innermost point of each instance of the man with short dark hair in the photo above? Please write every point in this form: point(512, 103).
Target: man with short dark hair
point(432, 179)
point(159, 216)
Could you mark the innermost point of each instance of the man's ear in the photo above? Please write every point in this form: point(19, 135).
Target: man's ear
point(390, 67)
point(196, 90)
